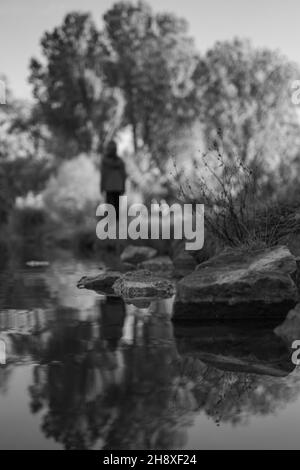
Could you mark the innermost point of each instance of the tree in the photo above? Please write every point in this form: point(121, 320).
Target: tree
point(25, 163)
point(70, 86)
point(245, 105)
point(152, 60)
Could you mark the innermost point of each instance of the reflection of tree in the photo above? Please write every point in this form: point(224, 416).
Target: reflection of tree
point(145, 419)
point(18, 291)
point(69, 391)
point(78, 376)
point(90, 399)
point(235, 397)
point(5, 374)
point(143, 395)
point(106, 381)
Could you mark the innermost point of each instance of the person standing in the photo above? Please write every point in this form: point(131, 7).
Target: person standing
point(113, 176)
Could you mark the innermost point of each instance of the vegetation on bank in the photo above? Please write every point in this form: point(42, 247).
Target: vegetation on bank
point(241, 210)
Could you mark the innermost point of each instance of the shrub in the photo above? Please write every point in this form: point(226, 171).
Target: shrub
point(238, 211)
point(72, 195)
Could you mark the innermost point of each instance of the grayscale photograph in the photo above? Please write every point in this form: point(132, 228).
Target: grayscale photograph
point(149, 228)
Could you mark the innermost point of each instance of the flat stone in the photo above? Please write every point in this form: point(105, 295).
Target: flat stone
point(101, 283)
point(137, 254)
point(238, 284)
point(143, 284)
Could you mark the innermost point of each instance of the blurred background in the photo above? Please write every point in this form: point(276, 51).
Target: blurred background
point(174, 84)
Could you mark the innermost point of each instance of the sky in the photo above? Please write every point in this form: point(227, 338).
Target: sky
point(270, 23)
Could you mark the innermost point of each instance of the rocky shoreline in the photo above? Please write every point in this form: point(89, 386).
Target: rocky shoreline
point(233, 285)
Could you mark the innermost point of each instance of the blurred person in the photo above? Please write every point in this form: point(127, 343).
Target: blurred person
point(113, 176)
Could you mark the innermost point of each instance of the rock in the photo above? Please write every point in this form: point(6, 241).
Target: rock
point(278, 258)
point(184, 264)
point(239, 284)
point(296, 275)
point(137, 254)
point(162, 265)
point(143, 284)
point(292, 241)
point(101, 283)
point(126, 267)
point(289, 330)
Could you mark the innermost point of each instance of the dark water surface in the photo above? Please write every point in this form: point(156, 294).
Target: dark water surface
point(88, 372)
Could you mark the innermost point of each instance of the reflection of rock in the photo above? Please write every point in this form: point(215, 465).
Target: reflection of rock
point(143, 284)
point(101, 283)
point(162, 265)
point(237, 284)
point(237, 348)
point(139, 303)
point(289, 331)
point(137, 254)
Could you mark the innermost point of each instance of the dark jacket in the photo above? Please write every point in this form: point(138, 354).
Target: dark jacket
point(113, 175)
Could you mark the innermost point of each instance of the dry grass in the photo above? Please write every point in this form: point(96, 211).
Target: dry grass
point(237, 211)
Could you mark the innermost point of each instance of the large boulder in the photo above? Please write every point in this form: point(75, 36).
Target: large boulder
point(143, 284)
point(101, 283)
point(137, 254)
point(239, 284)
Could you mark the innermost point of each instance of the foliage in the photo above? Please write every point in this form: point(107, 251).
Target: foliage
point(72, 195)
point(244, 92)
point(70, 86)
point(152, 61)
point(238, 211)
point(138, 71)
point(25, 163)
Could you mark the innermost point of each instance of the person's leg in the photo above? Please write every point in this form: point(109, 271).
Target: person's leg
point(116, 197)
point(116, 202)
point(112, 197)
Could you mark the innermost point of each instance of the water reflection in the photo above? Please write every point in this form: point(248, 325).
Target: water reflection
point(106, 375)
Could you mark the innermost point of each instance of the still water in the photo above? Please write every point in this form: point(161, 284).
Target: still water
point(88, 372)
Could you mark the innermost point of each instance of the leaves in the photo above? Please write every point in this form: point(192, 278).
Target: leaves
point(70, 85)
point(246, 92)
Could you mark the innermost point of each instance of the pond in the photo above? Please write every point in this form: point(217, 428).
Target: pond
point(88, 372)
